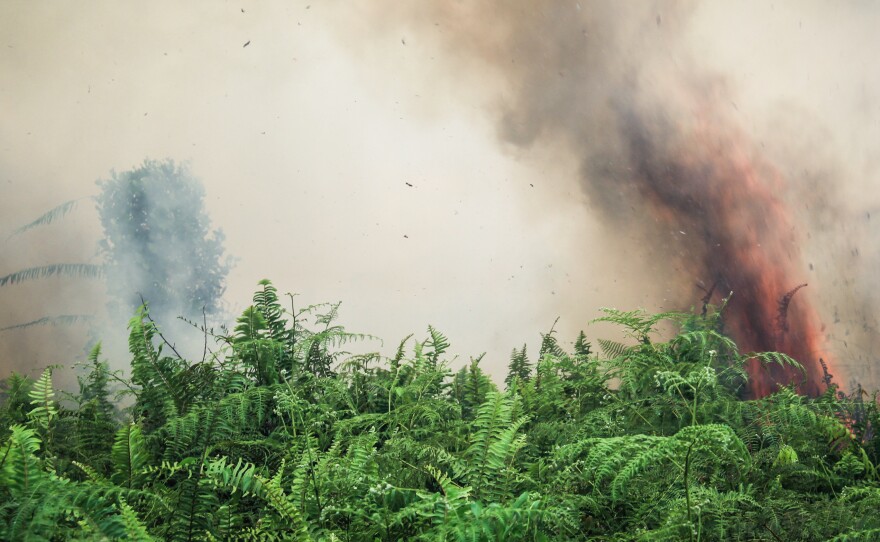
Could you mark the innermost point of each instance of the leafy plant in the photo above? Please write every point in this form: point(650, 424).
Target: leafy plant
point(282, 435)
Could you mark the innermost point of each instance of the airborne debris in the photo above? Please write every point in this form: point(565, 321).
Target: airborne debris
point(247, 43)
point(408, 184)
point(784, 302)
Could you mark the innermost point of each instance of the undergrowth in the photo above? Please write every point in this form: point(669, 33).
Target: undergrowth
point(278, 434)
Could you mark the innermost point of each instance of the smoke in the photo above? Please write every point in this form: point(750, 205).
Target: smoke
point(482, 167)
point(158, 246)
point(661, 156)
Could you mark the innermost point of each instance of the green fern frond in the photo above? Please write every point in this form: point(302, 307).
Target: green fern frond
point(19, 467)
point(160, 396)
point(638, 323)
point(97, 512)
point(47, 218)
point(787, 410)
point(703, 340)
point(90, 472)
point(60, 320)
point(266, 300)
point(274, 495)
point(250, 325)
point(192, 510)
point(438, 344)
point(783, 360)
point(134, 528)
point(866, 535)
point(452, 491)
point(612, 349)
point(241, 477)
point(129, 456)
point(84, 270)
point(401, 351)
point(550, 345)
point(330, 316)
point(494, 442)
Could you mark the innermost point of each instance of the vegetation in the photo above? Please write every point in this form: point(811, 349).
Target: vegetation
point(280, 435)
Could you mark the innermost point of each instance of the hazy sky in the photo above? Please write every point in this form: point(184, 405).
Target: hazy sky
point(306, 138)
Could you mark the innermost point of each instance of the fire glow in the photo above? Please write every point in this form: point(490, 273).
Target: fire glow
point(661, 152)
point(713, 182)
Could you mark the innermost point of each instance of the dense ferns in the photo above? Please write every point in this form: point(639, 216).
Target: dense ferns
point(280, 435)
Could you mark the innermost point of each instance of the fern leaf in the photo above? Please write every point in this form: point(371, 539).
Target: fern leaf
point(452, 491)
point(866, 535)
point(43, 400)
point(638, 323)
point(83, 270)
point(134, 528)
point(438, 343)
point(495, 442)
point(275, 496)
point(89, 471)
point(47, 218)
point(20, 469)
point(612, 349)
point(61, 320)
point(97, 512)
point(129, 457)
point(778, 358)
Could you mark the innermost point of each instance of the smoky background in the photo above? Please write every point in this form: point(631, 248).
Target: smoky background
point(306, 138)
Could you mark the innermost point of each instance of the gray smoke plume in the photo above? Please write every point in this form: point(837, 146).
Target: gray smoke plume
point(662, 157)
point(479, 166)
point(158, 246)
point(157, 249)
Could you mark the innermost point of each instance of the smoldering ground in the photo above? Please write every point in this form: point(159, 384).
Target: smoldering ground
point(533, 138)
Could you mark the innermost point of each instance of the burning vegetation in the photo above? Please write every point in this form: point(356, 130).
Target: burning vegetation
point(661, 155)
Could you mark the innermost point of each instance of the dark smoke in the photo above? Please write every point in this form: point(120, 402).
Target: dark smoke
point(659, 152)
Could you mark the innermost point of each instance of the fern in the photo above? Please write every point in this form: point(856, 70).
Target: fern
point(783, 360)
point(134, 528)
point(493, 443)
point(280, 435)
point(43, 401)
point(638, 323)
point(83, 270)
point(19, 466)
point(47, 218)
point(160, 396)
point(266, 300)
point(612, 349)
point(438, 344)
point(129, 457)
point(273, 494)
point(60, 320)
point(867, 535)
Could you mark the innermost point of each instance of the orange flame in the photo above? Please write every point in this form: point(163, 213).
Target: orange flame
point(711, 182)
